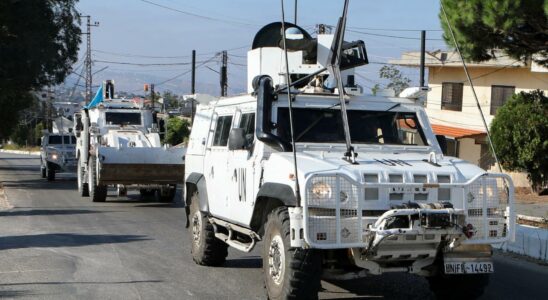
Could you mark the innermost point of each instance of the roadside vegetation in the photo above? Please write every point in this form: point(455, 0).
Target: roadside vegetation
point(518, 28)
point(520, 137)
point(177, 131)
point(51, 26)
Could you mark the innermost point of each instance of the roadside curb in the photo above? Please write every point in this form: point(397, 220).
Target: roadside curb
point(530, 241)
point(20, 152)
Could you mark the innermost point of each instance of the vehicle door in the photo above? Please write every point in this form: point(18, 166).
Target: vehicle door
point(241, 169)
point(216, 165)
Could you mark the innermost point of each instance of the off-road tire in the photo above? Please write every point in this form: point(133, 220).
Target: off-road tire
point(43, 171)
point(468, 286)
point(170, 197)
point(98, 193)
point(206, 249)
point(50, 173)
point(299, 271)
point(147, 192)
point(83, 188)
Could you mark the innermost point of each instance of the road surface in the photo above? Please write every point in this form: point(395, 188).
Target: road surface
point(57, 245)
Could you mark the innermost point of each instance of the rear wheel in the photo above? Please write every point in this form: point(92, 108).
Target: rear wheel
point(98, 193)
point(465, 286)
point(289, 273)
point(167, 194)
point(206, 249)
point(145, 193)
point(83, 189)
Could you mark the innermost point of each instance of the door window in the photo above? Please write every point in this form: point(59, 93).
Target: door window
point(222, 129)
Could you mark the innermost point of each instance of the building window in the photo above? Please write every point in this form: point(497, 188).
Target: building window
point(452, 147)
point(222, 129)
point(499, 95)
point(451, 96)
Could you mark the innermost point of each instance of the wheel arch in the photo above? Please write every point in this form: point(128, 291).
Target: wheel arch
point(271, 195)
point(195, 182)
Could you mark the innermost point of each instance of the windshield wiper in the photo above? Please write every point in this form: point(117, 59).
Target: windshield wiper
point(307, 129)
point(394, 106)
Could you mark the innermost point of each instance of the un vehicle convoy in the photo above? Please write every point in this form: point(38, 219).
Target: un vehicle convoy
point(57, 154)
point(334, 183)
point(118, 145)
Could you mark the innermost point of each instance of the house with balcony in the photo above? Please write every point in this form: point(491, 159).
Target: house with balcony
point(451, 106)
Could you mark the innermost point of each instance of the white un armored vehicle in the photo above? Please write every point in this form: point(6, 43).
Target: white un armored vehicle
point(364, 189)
point(57, 154)
point(118, 144)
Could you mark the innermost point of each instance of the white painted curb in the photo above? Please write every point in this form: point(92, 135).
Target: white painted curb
point(530, 241)
point(20, 152)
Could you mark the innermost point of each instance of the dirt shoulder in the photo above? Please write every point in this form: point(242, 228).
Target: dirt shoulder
point(4, 204)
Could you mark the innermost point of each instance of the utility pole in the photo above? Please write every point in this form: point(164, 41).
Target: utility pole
point(423, 46)
point(152, 95)
point(88, 57)
point(224, 83)
point(193, 86)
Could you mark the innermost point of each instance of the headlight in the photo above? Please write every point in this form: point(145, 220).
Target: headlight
point(321, 190)
point(54, 156)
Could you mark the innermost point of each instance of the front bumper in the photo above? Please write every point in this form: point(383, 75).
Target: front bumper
point(485, 202)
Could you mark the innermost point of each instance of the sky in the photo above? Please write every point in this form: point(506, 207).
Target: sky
point(162, 34)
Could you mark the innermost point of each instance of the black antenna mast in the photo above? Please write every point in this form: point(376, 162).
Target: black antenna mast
point(334, 67)
point(289, 101)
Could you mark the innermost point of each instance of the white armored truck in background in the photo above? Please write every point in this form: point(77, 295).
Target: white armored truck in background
point(390, 203)
point(118, 144)
point(57, 154)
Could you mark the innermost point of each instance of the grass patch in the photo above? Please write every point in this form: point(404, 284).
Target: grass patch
point(21, 148)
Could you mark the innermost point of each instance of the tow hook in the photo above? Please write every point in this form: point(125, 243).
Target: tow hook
point(469, 230)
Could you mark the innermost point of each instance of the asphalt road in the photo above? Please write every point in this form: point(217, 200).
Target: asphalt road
point(57, 245)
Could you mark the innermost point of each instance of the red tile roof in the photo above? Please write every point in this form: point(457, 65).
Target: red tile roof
point(455, 132)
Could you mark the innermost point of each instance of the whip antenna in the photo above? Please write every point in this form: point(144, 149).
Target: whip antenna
point(334, 67)
point(290, 104)
point(471, 85)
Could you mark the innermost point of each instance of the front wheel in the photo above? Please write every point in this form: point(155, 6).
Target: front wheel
point(83, 189)
point(50, 173)
point(289, 273)
point(206, 249)
point(98, 193)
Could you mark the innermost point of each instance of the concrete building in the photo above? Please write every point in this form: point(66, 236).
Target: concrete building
point(451, 106)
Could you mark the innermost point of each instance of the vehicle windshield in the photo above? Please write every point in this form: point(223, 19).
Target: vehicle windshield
point(123, 118)
point(58, 139)
point(366, 127)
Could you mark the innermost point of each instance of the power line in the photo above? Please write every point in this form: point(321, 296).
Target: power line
point(142, 64)
point(140, 56)
point(390, 36)
point(181, 74)
point(393, 29)
point(197, 15)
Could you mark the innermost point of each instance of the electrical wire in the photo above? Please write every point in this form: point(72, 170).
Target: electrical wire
point(199, 16)
point(142, 64)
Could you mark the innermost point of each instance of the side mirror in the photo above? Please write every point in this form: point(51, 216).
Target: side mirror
point(443, 143)
point(236, 139)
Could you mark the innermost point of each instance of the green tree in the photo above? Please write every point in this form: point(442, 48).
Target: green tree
point(398, 82)
point(177, 130)
point(518, 27)
point(38, 44)
point(170, 100)
point(520, 136)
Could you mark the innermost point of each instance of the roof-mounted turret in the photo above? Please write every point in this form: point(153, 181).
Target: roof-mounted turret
point(306, 55)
